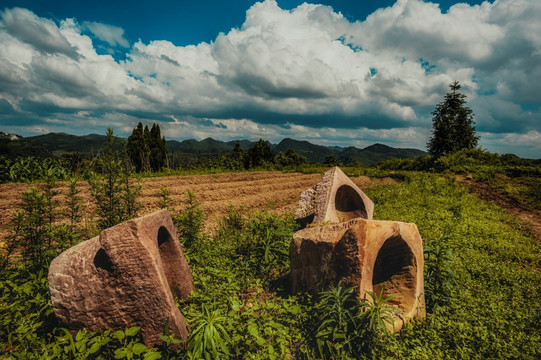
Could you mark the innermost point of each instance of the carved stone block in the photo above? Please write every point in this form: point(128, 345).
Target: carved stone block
point(124, 277)
point(335, 199)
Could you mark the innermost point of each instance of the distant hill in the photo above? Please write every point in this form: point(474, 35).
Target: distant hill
point(314, 153)
point(208, 145)
point(62, 143)
point(12, 145)
point(373, 154)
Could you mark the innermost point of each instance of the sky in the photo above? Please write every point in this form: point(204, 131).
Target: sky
point(335, 73)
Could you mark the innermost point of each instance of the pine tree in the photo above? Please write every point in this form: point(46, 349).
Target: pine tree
point(138, 149)
point(147, 149)
point(453, 128)
point(158, 148)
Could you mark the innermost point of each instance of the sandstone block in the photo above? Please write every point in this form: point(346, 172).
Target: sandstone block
point(124, 277)
point(335, 199)
point(385, 257)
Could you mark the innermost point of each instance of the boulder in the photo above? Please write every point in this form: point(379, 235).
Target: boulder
point(384, 257)
point(335, 199)
point(124, 277)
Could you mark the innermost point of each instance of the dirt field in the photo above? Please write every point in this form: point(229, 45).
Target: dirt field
point(272, 191)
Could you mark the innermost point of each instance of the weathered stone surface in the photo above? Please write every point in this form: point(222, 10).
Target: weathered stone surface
point(379, 256)
point(124, 277)
point(335, 199)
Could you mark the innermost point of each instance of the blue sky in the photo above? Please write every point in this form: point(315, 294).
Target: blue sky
point(333, 72)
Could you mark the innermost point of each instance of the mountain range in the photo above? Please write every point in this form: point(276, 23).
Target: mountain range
point(62, 143)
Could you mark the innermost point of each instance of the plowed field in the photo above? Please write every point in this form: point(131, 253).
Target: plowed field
point(273, 191)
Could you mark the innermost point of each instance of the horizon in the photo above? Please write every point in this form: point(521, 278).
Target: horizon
point(332, 72)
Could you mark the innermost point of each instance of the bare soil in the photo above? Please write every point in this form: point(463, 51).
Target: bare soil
point(531, 217)
point(273, 191)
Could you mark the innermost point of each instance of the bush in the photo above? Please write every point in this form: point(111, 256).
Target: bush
point(190, 221)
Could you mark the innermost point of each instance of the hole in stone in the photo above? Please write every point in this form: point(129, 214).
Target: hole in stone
point(395, 273)
point(102, 261)
point(348, 204)
point(169, 256)
point(163, 236)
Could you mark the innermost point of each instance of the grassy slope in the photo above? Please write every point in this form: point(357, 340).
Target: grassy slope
point(495, 308)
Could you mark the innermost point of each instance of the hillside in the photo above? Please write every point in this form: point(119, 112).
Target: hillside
point(314, 153)
point(208, 145)
point(62, 143)
point(373, 154)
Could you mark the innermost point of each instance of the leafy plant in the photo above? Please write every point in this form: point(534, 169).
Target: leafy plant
point(440, 277)
point(73, 211)
point(337, 312)
point(115, 194)
point(165, 201)
point(190, 221)
point(209, 339)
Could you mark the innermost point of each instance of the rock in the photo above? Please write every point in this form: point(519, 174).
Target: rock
point(124, 277)
point(384, 257)
point(335, 199)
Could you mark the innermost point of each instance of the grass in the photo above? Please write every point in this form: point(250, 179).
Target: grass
point(489, 265)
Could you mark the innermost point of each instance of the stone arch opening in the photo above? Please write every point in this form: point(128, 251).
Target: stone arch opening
point(168, 255)
point(395, 273)
point(348, 204)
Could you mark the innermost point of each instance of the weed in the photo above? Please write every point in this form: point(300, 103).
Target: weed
point(189, 222)
point(115, 194)
point(209, 339)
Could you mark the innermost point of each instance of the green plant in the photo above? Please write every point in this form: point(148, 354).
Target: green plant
point(26, 318)
point(115, 193)
point(189, 222)
point(440, 277)
point(209, 339)
point(73, 212)
point(165, 201)
point(32, 231)
point(336, 312)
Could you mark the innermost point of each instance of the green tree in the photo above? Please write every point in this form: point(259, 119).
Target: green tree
point(158, 148)
point(331, 160)
point(260, 154)
point(289, 159)
point(138, 149)
point(453, 128)
point(147, 149)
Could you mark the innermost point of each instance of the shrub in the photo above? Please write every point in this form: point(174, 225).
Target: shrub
point(115, 193)
point(190, 221)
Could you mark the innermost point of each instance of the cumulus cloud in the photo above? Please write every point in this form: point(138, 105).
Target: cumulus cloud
point(112, 35)
point(42, 34)
point(305, 73)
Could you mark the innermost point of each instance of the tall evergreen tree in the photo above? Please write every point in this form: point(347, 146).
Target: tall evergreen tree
point(453, 128)
point(138, 149)
point(147, 149)
point(259, 154)
point(158, 148)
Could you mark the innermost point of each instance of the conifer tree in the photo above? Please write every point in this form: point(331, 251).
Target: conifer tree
point(453, 128)
point(147, 149)
point(260, 154)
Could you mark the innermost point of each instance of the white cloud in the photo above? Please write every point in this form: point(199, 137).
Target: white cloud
point(42, 34)
point(307, 72)
point(112, 35)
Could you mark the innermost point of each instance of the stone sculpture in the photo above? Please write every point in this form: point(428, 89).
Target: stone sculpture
point(124, 277)
point(335, 199)
point(384, 257)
